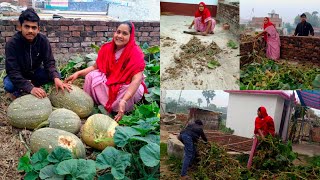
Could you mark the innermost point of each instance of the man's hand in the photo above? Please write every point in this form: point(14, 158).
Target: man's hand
point(122, 108)
point(72, 78)
point(60, 85)
point(38, 92)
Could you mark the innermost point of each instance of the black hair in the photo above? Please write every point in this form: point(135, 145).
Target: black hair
point(127, 23)
point(303, 15)
point(29, 15)
point(259, 108)
point(199, 122)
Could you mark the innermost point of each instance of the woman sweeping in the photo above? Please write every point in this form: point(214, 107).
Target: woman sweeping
point(263, 126)
point(116, 79)
point(203, 21)
point(272, 39)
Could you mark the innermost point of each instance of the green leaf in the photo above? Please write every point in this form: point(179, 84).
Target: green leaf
point(145, 46)
point(150, 154)
point(150, 138)
point(25, 163)
point(144, 128)
point(123, 134)
point(59, 154)
point(103, 110)
point(212, 64)
point(77, 168)
point(108, 176)
point(316, 82)
point(77, 59)
point(39, 159)
point(154, 49)
point(91, 57)
point(95, 47)
point(48, 173)
point(31, 176)
point(156, 90)
point(117, 160)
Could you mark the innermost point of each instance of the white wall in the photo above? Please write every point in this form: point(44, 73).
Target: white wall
point(242, 111)
point(207, 2)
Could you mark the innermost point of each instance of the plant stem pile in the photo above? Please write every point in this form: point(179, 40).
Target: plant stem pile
point(271, 75)
point(273, 160)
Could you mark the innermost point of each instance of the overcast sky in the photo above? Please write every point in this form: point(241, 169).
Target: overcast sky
point(221, 99)
point(287, 9)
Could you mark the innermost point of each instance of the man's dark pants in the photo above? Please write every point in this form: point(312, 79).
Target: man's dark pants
point(39, 78)
point(189, 152)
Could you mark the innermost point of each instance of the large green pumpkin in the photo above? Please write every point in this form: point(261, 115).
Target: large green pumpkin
point(65, 119)
point(50, 138)
point(77, 101)
point(29, 111)
point(98, 131)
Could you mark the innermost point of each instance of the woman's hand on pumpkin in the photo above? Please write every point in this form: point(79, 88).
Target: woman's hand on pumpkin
point(72, 78)
point(122, 108)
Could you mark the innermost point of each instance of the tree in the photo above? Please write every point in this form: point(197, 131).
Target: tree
point(199, 101)
point(289, 27)
point(208, 95)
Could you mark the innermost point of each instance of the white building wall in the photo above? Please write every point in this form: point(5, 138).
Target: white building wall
point(242, 111)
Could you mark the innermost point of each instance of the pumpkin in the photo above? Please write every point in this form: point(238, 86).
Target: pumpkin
point(65, 119)
point(98, 131)
point(50, 138)
point(77, 101)
point(28, 111)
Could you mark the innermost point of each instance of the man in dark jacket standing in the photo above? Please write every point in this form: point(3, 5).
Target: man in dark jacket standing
point(29, 60)
point(304, 28)
point(189, 136)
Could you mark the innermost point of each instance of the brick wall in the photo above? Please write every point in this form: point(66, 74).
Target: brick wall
point(76, 36)
point(293, 48)
point(228, 13)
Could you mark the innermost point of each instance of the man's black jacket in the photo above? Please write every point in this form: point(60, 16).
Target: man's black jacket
point(303, 29)
point(23, 58)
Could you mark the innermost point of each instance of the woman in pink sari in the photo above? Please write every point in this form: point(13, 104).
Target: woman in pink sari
point(272, 39)
point(203, 21)
point(116, 79)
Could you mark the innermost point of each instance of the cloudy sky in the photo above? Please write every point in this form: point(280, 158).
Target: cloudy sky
point(221, 99)
point(287, 9)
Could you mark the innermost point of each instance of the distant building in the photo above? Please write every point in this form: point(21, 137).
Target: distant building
point(257, 22)
point(209, 118)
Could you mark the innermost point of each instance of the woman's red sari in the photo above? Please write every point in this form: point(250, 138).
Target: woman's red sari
point(203, 14)
point(121, 72)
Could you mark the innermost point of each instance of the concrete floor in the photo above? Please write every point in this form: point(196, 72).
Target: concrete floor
point(224, 77)
point(307, 149)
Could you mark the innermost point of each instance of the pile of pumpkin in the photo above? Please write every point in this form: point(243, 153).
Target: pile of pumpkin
point(63, 122)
